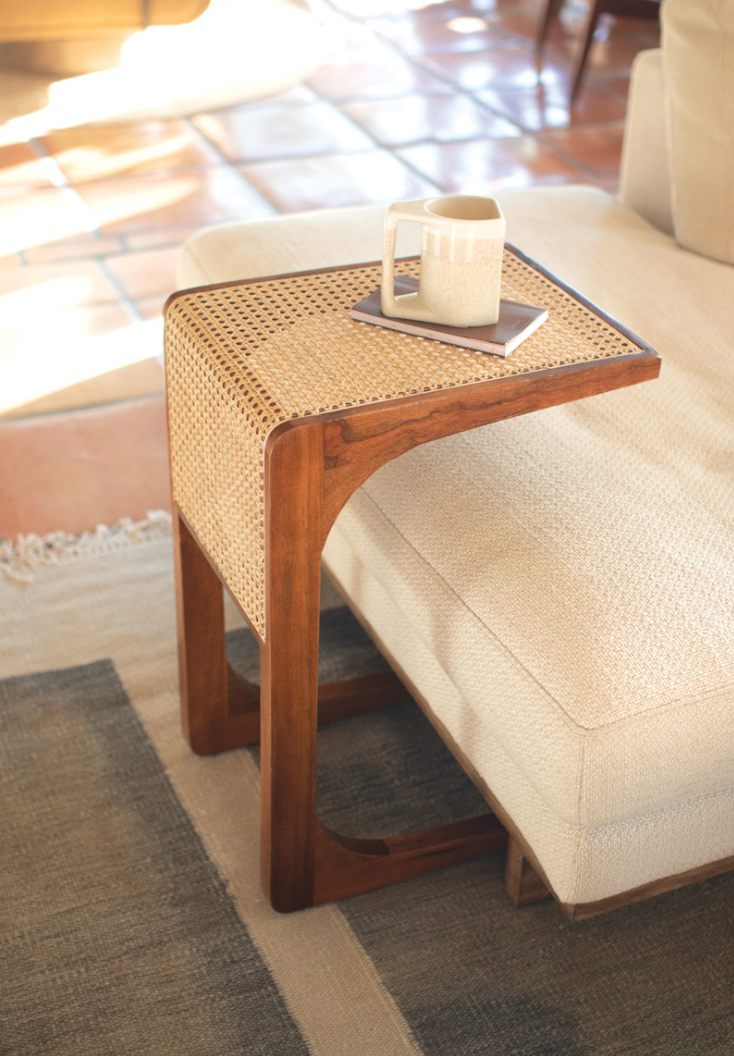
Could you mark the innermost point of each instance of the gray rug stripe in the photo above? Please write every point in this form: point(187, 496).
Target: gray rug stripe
point(119, 937)
point(328, 981)
point(472, 975)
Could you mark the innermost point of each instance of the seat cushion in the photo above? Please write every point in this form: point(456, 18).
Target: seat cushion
point(559, 587)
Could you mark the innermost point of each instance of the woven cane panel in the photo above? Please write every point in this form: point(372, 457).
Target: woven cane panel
point(242, 359)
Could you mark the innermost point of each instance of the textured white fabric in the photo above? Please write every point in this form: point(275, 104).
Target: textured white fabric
point(560, 586)
point(582, 864)
point(644, 184)
point(698, 47)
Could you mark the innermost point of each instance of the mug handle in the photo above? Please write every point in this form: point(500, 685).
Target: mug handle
point(414, 211)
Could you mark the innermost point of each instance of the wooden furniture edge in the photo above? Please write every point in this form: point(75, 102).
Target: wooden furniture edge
point(390, 428)
point(302, 863)
point(586, 910)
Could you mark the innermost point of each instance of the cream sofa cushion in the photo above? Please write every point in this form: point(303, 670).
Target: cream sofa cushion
point(559, 587)
point(698, 45)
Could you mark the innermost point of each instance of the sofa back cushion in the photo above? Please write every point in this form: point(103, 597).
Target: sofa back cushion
point(698, 48)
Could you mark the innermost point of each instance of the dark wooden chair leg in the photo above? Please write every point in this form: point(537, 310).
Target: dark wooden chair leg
point(522, 883)
point(219, 710)
point(552, 10)
point(645, 9)
point(597, 10)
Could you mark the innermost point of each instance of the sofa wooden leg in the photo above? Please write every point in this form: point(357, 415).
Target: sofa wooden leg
point(522, 883)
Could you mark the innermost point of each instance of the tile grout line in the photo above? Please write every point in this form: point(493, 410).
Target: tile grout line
point(459, 90)
point(392, 150)
point(125, 300)
point(226, 163)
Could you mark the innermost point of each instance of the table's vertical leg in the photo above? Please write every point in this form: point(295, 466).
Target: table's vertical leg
point(289, 667)
point(201, 644)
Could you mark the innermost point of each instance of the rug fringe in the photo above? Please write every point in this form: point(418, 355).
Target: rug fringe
point(20, 557)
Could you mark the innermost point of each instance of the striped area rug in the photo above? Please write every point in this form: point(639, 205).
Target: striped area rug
point(132, 920)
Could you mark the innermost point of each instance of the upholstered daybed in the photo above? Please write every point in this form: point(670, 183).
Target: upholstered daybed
point(558, 589)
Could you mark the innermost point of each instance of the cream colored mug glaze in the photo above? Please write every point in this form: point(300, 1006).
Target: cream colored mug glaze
point(462, 239)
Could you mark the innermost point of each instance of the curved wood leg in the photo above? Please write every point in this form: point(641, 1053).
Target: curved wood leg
point(346, 866)
point(302, 863)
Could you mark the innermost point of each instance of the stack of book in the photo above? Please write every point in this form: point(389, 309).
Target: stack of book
point(515, 324)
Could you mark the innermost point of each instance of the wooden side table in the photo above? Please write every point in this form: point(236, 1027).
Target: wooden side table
point(279, 407)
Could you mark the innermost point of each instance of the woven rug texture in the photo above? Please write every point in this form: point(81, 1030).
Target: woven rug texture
point(131, 913)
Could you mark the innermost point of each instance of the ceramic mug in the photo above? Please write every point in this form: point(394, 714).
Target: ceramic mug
point(462, 239)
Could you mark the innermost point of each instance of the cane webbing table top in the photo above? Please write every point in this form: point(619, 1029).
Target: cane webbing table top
point(242, 358)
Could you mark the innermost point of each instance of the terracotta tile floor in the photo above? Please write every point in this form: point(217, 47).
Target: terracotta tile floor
point(420, 97)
